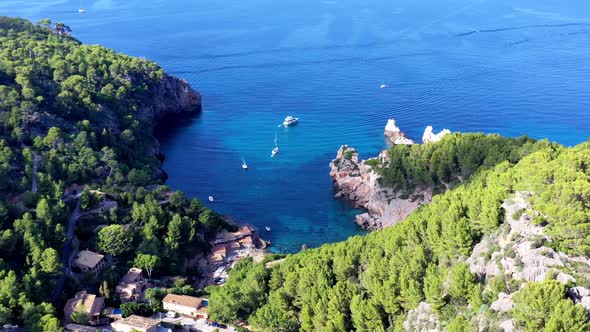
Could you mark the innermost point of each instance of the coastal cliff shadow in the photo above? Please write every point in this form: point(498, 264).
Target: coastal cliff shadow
point(171, 125)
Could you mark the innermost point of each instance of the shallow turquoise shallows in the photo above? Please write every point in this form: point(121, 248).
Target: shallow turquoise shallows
point(506, 66)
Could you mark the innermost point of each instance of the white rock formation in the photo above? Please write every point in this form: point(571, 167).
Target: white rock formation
point(396, 136)
point(504, 303)
point(423, 318)
point(429, 136)
point(507, 325)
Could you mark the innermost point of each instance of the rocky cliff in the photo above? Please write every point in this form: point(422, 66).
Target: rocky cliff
point(170, 95)
point(355, 181)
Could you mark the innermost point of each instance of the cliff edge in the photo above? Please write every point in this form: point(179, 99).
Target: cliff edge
point(357, 182)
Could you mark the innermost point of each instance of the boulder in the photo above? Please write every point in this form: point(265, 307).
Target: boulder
point(504, 303)
point(423, 318)
point(507, 325)
point(577, 293)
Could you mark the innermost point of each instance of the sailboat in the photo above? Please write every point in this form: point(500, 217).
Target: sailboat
point(276, 148)
point(81, 10)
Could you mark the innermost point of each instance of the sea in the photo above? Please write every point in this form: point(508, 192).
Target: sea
point(513, 67)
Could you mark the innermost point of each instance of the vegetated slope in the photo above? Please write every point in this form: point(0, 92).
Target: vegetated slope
point(76, 126)
point(451, 160)
point(418, 267)
point(400, 179)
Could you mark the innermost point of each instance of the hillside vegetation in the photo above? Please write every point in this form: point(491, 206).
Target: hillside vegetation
point(76, 130)
point(373, 283)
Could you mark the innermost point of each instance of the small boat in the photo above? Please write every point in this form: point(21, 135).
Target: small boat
point(81, 10)
point(211, 199)
point(267, 228)
point(244, 166)
point(290, 120)
point(383, 86)
point(276, 148)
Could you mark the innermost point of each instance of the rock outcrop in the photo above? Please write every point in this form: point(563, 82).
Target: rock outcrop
point(504, 303)
point(356, 181)
point(170, 96)
point(396, 136)
point(520, 252)
point(429, 136)
point(580, 295)
point(423, 318)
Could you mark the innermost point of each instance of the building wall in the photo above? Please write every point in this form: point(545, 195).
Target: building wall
point(180, 309)
point(126, 328)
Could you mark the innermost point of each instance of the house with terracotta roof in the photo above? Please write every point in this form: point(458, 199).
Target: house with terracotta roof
point(89, 303)
point(135, 323)
point(132, 286)
point(185, 305)
point(90, 262)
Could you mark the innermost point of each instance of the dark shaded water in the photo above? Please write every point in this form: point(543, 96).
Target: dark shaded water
point(511, 67)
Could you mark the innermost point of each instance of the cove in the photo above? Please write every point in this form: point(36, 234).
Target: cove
point(509, 67)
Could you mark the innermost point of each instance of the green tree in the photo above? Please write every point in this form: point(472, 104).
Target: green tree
point(535, 303)
point(80, 316)
point(115, 240)
point(567, 316)
point(147, 262)
point(50, 262)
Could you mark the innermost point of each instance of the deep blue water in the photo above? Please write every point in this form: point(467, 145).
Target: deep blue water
point(506, 66)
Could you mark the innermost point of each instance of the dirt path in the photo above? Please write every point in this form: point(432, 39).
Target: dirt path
point(36, 161)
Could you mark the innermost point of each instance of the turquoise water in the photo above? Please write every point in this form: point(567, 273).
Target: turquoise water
point(511, 67)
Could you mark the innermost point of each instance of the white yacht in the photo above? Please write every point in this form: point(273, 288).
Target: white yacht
point(276, 148)
point(290, 120)
point(244, 166)
point(211, 199)
point(267, 228)
point(81, 10)
point(383, 86)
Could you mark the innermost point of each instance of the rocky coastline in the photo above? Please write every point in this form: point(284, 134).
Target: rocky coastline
point(355, 181)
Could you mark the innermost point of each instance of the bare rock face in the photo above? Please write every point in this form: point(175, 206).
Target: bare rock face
point(504, 303)
point(423, 318)
point(170, 96)
point(508, 325)
point(396, 136)
point(356, 181)
point(580, 295)
point(520, 253)
point(429, 136)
